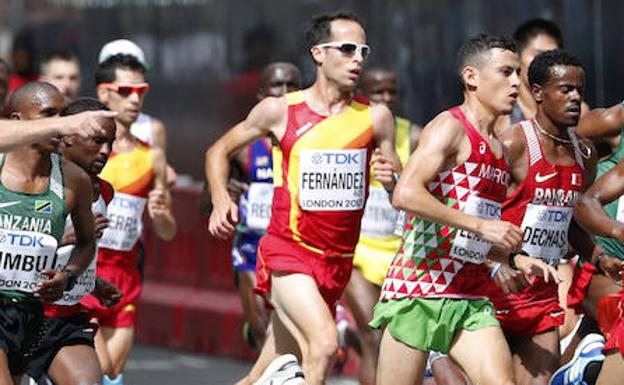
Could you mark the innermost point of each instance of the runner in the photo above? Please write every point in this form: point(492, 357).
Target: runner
point(255, 196)
point(325, 137)
point(138, 175)
point(377, 244)
point(62, 70)
point(38, 190)
point(433, 297)
point(599, 211)
point(68, 336)
point(550, 168)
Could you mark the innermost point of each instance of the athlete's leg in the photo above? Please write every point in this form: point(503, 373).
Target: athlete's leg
point(75, 365)
point(5, 372)
point(566, 272)
point(446, 372)
point(309, 321)
point(361, 296)
point(253, 307)
point(278, 341)
point(399, 364)
point(612, 370)
point(102, 353)
point(483, 355)
point(118, 344)
point(599, 287)
point(535, 358)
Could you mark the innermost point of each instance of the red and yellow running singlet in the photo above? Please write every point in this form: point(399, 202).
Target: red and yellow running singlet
point(321, 176)
point(131, 175)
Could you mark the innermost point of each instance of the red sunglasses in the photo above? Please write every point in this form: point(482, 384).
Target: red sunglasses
point(127, 89)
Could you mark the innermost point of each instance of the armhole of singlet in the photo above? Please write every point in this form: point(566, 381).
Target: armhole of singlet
point(534, 148)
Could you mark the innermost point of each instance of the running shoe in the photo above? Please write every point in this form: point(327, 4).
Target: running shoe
point(587, 359)
point(342, 325)
point(284, 370)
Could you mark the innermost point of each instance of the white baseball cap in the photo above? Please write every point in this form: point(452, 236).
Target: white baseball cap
point(122, 46)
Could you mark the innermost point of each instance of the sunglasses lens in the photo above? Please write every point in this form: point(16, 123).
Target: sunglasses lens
point(365, 51)
point(124, 91)
point(348, 48)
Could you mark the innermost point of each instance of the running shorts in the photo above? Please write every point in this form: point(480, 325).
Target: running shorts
point(122, 315)
point(580, 283)
point(276, 254)
point(244, 251)
point(21, 330)
point(59, 332)
point(429, 324)
point(373, 258)
point(615, 339)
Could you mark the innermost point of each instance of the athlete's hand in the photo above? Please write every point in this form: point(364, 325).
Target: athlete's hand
point(158, 202)
point(85, 124)
point(52, 289)
point(502, 233)
point(101, 223)
point(612, 267)
point(105, 292)
point(511, 280)
point(223, 219)
point(534, 266)
point(383, 169)
point(69, 237)
point(236, 189)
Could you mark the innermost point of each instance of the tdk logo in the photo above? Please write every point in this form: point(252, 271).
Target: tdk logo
point(25, 240)
point(554, 216)
point(128, 204)
point(335, 158)
point(486, 209)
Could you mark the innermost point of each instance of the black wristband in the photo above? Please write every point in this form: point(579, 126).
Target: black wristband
point(512, 258)
point(72, 278)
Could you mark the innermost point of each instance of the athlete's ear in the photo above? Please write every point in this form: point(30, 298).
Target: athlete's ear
point(470, 76)
point(102, 94)
point(317, 54)
point(537, 92)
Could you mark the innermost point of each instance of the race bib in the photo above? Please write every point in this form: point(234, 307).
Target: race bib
point(619, 216)
point(259, 201)
point(467, 246)
point(85, 283)
point(125, 213)
point(332, 180)
point(545, 232)
point(23, 254)
point(380, 218)
point(399, 227)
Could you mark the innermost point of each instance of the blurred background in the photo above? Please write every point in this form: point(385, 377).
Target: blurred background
point(205, 58)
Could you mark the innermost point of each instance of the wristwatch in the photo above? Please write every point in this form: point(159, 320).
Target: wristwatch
point(72, 277)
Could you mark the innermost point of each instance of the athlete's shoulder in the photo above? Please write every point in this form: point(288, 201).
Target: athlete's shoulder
point(513, 141)
point(445, 121)
point(106, 190)
point(73, 175)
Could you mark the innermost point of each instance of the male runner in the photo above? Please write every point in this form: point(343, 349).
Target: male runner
point(146, 127)
point(255, 196)
point(324, 137)
point(138, 175)
point(377, 244)
point(550, 168)
point(38, 189)
point(62, 70)
point(433, 297)
point(600, 212)
point(68, 337)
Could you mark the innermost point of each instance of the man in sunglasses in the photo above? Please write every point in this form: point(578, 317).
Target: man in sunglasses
point(138, 175)
point(325, 137)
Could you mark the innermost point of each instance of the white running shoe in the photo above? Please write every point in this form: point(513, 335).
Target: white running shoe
point(284, 370)
point(588, 351)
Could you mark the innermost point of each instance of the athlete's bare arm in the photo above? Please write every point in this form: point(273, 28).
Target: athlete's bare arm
point(267, 118)
point(78, 199)
point(159, 134)
point(17, 133)
point(601, 123)
point(385, 159)
point(443, 145)
point(159, 199)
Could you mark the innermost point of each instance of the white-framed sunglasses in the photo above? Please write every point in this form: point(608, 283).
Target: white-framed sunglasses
point(348, 48)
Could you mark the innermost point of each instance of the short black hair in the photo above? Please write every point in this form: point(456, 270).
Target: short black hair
point(83, 104)
point(539, 71)
point(320, 26)
point(106, 71)
point(534, 27)
point(471, 52)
